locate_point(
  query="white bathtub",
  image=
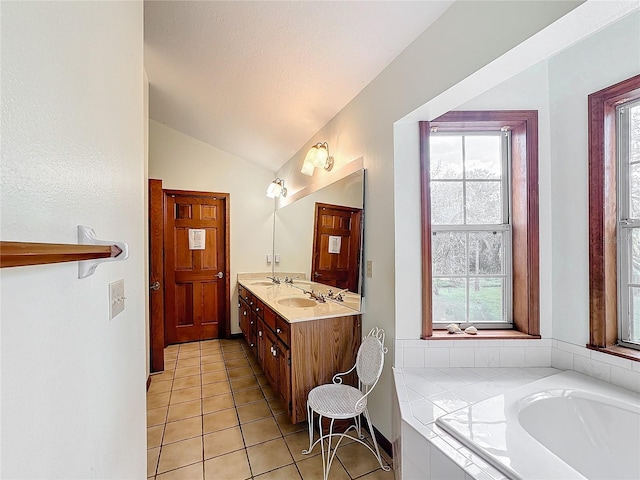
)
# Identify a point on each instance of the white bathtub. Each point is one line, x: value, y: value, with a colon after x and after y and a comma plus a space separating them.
x: 562, y: 427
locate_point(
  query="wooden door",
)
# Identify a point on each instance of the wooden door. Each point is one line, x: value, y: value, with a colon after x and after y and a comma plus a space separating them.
x: 156, y: 274
x: 336, y: 246
x: 196, y: 276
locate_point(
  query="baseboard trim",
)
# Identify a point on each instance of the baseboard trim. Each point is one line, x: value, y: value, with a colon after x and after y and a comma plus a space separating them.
x: 148, y: 382
x: 235, y: 336
x: 383, y: 442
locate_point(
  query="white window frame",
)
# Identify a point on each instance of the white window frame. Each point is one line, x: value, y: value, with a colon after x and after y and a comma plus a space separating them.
x: 505, y: 227
x: 626, y: 224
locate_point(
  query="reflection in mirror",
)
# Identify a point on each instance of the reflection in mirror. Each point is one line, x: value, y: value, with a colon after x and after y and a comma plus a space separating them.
x: 319, y: 236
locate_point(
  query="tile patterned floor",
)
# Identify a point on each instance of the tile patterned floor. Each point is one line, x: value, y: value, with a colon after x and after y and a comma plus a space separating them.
x: 212, y: 415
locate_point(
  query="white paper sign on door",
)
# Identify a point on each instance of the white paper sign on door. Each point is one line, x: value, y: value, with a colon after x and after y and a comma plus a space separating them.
x: 197, y: 238
x: 334, y: 244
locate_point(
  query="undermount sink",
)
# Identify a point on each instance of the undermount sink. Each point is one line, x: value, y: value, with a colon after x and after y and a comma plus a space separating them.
x: 262, y: 283
x: 297, y: 302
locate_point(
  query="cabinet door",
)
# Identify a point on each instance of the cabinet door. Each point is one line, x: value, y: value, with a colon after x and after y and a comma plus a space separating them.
x: 261, y: 341
x: 284, y: 375
x: 245, y: 317
x: 270, y: 363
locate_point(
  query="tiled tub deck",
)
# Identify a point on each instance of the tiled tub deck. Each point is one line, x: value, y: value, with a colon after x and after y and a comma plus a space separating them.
x: 424, y: 394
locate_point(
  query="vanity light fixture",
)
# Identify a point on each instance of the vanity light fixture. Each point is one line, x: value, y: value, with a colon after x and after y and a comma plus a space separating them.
x: 317, y: 157
x: 276, y: 189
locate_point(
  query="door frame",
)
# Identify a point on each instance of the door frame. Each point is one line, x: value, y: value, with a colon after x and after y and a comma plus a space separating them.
x: 156, y: 273
x: 224, y: 327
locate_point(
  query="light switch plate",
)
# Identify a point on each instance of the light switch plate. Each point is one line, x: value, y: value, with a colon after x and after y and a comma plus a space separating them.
x: 269, y: 258
x: 277, y: 258
x: 369, y: 268
x: 116, y: 298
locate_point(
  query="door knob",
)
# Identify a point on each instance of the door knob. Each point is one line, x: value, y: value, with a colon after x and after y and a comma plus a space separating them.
x: 154, y: 286
x: 219, y: 274
x: 316, y: 274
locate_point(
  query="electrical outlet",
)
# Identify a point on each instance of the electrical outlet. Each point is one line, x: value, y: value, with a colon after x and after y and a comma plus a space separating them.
x: 369, y: 268
x: 116, y: 298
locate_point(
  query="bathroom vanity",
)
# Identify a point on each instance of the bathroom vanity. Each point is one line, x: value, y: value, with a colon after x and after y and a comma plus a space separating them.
x: 299, y: 342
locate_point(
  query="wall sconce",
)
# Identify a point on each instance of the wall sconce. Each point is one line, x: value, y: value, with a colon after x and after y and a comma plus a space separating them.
x: 317, y: 157
x: 276, y: 189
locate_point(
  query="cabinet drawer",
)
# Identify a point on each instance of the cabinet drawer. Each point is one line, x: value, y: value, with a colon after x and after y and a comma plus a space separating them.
x: 269, y: 317
x: 258, y: 307
x: 283, y: 330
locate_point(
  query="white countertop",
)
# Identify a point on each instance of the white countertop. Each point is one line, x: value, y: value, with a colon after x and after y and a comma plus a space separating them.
x: 271, y: 293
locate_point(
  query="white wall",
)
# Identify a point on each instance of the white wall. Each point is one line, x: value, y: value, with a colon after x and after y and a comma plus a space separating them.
x: 184, y: 163
x: 438, y: 59
x: 602, y: 60
x: 73, y: 381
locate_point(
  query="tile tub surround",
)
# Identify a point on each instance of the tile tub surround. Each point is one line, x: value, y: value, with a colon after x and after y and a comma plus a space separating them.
x: 424, y: 394
x: 619, y: 371
x: 271, y: 294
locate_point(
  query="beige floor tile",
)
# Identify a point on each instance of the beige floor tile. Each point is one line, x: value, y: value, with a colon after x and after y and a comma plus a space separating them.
x: 213, y: 358
x: 297, y: 442
x: 180, y: 411
x: 182, y: 429
x: 268, y: 391
x: 211, y: 341
x: 236, y: 362
x: 212, y: 367
x: 230, y: 355
x: 249, y: 395
x: 159, y: 387
x: 188, y: 354
x: 262, y: 379
x: 170, y: 356
x: 231, y: 347
x: 311, y: 469
x: 152, y: 460
x: 180, y: 454
x: 256, y: 369
x: 210, y: 350
x: 185, y: 395
x: 213, y: 377
x: 186, y: 382
x: 163, y: 376
x: 243, y: 382
x: 268, y: 456
x: 218, y: 388
x: 170, y: 365
x: 287, y: 427
x: 379, y: 475
x: 217, y: 403
x: 290, y: 472
x: 187, y: 371
x: 172, y: 349
x: 158, y: 400
x: 232, y: 466
x: 223, y: 441
x: 260, y: 431
x: 276, y: 406
x: 189, y: 347
x: 357, y: 459
x: 212, y: 422
x: 192, y: 472
x: 156, y: 416
x: 254, y: 411
x: 154, y: 436
x: 188, y: 362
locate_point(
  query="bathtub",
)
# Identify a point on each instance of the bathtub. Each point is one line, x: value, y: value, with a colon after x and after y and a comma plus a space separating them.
x: 565, y: 426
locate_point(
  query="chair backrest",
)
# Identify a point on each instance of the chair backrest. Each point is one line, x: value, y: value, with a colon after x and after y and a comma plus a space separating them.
x: 370, y: 359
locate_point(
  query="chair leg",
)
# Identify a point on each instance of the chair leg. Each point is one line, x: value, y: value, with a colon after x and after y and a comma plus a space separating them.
x: 310, y: 424
x: 375, y: 442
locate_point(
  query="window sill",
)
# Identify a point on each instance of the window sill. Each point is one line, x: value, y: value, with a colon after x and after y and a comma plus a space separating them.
x: 483, y: 335
x: 618, y: 351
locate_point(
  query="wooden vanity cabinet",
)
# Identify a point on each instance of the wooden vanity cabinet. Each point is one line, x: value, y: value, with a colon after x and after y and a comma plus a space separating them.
x: 298, y: 356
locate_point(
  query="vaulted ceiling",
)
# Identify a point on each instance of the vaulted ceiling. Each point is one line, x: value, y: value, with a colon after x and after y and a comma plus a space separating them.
x: 258, y: 79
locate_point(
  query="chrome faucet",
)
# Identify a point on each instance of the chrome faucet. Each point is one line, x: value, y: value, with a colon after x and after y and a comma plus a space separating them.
x: 316, y: 296
x: 274, y: 279
x: 338, y: 297
x: 290, y: 280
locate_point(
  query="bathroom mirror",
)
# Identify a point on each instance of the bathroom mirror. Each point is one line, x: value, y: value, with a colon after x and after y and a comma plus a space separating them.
x: 320, y: 235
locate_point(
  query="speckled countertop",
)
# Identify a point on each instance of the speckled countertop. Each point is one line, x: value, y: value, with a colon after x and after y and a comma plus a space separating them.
x: 276, y: 297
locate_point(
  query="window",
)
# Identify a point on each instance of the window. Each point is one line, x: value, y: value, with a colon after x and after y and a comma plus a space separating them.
x: 479, y: 178
x: 470, y: 227
x: 614, y: 218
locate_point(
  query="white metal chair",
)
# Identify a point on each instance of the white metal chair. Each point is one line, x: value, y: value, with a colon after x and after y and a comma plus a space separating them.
x: 339, y: 402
